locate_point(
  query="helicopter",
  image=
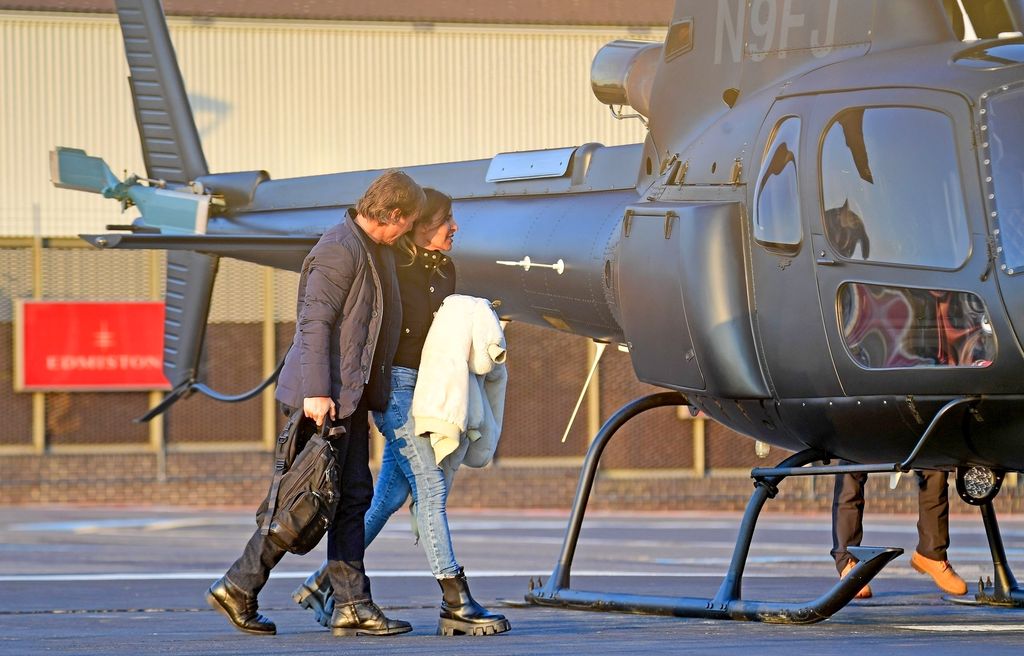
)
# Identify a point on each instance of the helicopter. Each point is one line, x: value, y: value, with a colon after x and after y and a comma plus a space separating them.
x: 820, y: 244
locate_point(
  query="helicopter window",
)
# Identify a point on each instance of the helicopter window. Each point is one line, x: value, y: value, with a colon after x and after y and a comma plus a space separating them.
x: 891, y: 188
x: 679, y: 39
x: 1004, y: 153
x: 990, y: 57
x: 897, y: 327
x: 777, y: 209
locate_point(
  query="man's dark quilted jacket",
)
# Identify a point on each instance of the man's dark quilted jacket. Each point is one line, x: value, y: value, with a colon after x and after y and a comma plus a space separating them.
x: 339, y: 318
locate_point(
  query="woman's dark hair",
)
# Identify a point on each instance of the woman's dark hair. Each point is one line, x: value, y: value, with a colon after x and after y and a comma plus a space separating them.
x: 437, y: 204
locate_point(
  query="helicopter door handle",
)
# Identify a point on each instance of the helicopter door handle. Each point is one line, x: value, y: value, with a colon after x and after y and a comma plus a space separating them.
x: 822, y: 254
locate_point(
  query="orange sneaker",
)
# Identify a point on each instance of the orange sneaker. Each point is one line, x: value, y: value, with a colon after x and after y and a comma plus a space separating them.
x: 941, y: 572
x: 863, y: 593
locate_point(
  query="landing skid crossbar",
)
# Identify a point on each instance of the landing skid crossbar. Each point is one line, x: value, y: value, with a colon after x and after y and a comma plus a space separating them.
x: 727, y: 603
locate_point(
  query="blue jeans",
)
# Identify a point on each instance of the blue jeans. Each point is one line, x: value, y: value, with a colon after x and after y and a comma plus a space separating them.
x: 408, y: 467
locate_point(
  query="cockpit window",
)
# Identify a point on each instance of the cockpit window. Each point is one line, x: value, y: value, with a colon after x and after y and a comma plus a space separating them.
x: 777, y: 208
x: 888, y: 327
x: 891, y: 188
x: 1003, y: 152
x: 992, y: 56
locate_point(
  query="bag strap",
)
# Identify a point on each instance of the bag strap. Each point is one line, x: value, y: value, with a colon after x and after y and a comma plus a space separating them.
x: 328, y: 432
x: 280, y: 453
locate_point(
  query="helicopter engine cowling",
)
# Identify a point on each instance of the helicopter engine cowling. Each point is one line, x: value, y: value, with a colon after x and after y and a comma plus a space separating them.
x: 579, y: 231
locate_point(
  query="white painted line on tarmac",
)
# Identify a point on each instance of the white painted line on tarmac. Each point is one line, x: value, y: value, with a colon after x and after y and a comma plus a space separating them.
x: 142, y: 523
x: 962, y: 628
x: 485, y: 525
x: 382, y: 574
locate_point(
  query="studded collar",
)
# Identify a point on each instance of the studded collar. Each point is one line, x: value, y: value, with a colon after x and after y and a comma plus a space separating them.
x: 430, y: 260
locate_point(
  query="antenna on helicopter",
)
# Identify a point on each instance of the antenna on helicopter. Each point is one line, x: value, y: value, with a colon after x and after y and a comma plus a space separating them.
x: 969, y: 33
x: 601, y: 346
x: 526, y: 263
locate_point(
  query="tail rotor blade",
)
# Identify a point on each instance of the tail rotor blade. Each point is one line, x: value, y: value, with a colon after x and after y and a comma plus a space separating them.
x: 72, y: 168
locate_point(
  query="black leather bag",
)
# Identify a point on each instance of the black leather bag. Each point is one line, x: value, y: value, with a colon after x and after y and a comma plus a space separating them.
x: 304, y: 493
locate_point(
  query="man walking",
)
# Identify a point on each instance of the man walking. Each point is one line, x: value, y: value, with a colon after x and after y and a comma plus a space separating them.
x: 932, y: 528
x: 339, y: 368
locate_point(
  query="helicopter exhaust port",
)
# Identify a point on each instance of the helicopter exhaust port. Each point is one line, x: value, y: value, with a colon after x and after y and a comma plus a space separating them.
x: 623, y: 74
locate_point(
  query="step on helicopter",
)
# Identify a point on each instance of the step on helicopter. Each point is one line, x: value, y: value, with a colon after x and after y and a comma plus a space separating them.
x: 820, y: 244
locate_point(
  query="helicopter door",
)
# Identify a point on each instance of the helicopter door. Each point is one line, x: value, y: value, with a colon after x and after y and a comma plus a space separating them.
x: 898, y: 242
x: 782, y: 262
x: 683, y: 298
x: 651, y: 294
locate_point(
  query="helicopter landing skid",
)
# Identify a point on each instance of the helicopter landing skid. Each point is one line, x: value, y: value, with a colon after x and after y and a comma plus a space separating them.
x: 974, y: 601
x: 989, y: 595
x: 727, y: 603
x: 1003, y: 591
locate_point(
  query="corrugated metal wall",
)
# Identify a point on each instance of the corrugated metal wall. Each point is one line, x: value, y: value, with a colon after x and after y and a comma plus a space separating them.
x: 292, y: 97
x: 295, y: 98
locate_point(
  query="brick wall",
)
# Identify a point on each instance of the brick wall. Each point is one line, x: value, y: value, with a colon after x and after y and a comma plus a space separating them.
x: 241, y: 479
x: 647, y: 466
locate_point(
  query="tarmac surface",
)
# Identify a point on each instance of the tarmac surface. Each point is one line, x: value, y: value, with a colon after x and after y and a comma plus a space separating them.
x: 82, y: 580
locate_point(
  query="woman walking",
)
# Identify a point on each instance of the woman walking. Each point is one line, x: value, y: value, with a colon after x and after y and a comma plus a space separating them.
x: 426, y: 275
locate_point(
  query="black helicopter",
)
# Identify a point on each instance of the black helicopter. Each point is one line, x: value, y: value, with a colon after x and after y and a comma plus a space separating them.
x: 820, y: 244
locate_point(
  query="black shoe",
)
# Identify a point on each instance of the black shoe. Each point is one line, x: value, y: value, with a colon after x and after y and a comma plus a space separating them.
x: 461, y: 615
x: 239, y: 607
x: 316, y: 594
x: 363, y: 618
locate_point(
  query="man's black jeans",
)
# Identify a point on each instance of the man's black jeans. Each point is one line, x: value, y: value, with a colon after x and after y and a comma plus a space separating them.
x: 345, y: 536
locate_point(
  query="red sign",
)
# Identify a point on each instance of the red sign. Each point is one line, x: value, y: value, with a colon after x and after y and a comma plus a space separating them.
x: 89, y: 346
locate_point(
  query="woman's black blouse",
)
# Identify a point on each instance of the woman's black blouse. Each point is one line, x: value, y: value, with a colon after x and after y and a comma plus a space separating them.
x: 423, y: 285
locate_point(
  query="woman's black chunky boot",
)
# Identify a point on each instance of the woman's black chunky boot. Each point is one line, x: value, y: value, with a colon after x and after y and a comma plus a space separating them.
x: 461, y: 615
x: 316, y: 595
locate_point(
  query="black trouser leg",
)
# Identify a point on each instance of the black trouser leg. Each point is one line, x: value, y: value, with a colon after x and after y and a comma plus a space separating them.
x: 252, y: 569
x: 346, y: 535
x: 933, y: 514
x: 847, y: 515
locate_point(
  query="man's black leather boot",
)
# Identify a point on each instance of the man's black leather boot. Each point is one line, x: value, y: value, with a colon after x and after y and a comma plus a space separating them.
x: 363, y: 618
x: 462, y: 615
x: 239, y: 607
